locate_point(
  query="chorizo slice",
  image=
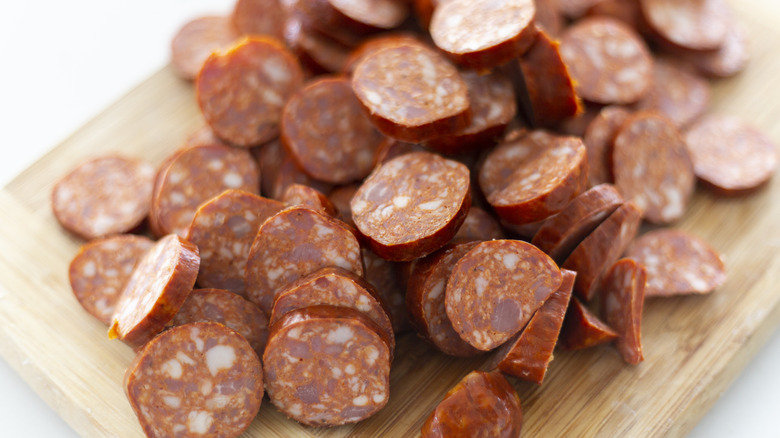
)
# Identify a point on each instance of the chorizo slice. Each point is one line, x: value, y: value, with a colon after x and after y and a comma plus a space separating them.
x: 679, y: 94
x: 194, y: 42
x: 426, y: 304
x: 560, y: 234
x: 223, y: 229
x: 229, y: 309
x: 599, y: 138
x: 695, y: 25
x: 548, y: 17
x: 529, y: 354
x: 196, y: 175
x: 627, y: 11
x: 480, y: 405
x: 386, y: 278
x: 241, y: 92
x: 360, y: 17
x: 340, y: 197
x: 258, y: 17
x: 601, y: 248
x: 431, y: 98
x: 327, y: 133
x: 577, y: 124
x: 609, y: 62
x: 99, y: 271
x: 495, y: 288
x: 376, y: 43
x: 479, y: 225
x: 292, y: 244
x: 391, y: 148
x: 412, y: 205
x: 575, y: 9
x: 677, y: 263
x: 161, y: 282
x: 483, y: 36
x: 198, y: 379
x: 583, y: 329
x: 533, y: 177
x: 315, y: 51
x: 327, y: 366
x: 730, y: 156
x: 103, y: 196
x: 299, y: 194
x: 730, y: 59
x: 652, y: 167
x: 290, y: 174
x: 624, y: 296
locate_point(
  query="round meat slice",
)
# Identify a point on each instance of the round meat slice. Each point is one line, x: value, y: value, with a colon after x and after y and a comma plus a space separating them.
x: 259, y: 17
x: 229, y: 309
x: 412, y: 205
x: 199, y: 379
x: 327, y: 366
x: 425, y: 300
x: 495, y: 289
x: 534, y: 176
x: 479, y: 225
x: 241, y: 92
x: 318, y: 53
x: 309, y: 197
x: 224, y: 228
x: 104, y: 196
x: 560, y: 234
x: 583, y: 329
x: 609, y: 62
x: 376, y: 43
x: 292, y: 244
x: 652, y: 167
x: 730, y: 59
x: 386, y: 278
x: 482, y: 35
x: 624, y: 297
x: 599, y: 138
x: 195, y: 41
x: 676, y: 92
x: 364, y: 16
x: 730, y: 156
x: 480, y: 405
x: 196, y: 175
x: 696, y: 25
x: 627, y: 11
x: 327, y: 133
x: 160, y: 283
x: 428, y: 99
x: 677, y: 263
x: 100, y: 270
x: 492, y: 107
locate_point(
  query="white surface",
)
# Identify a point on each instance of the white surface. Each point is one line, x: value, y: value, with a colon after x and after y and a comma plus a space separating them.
x: 64, y: 62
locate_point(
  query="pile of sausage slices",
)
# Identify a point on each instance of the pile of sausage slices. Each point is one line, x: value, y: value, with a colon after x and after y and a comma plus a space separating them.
x: 470, y: 170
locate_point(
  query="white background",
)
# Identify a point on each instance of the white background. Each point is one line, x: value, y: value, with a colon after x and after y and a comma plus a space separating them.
x: 62, y: 62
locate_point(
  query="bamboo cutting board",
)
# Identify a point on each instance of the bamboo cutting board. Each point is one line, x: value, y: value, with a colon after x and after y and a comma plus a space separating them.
x: 694, y: 346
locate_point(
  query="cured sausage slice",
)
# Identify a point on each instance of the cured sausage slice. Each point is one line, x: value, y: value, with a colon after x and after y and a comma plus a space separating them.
x: 327, y: 133
x: 430, y: 100
x: 652, y: 167
x: 601, y: 248
x: 412, y: 205
x: 480, y: 405
x: 495, y: 288
x: 548, y: 17
x: 241, y: 92
x: 258, y: 17
x: 356, y: 16
x: 483, y: 35
x: 599, y: 138
x: 195, y: 41
x: 579, y: 123
x: 100, y: 270
x: 534, y: 176
x: 199, y: 379
x: 560, y: 234
x: 426, y: 304
x: 160, y: 283
x: 289, y: 174
x: 334, y: 287
x: 479, y: 225
x: 299, y: 194
x: 269, y: 159
x: 730, y: 59
x: 377, y: 43
x: 575, y: 9
x: 492, y: 107
x: 624, y: 296
x: 229, y: 309
x: 609, y: 62
x: 391, y: 148
x: 583, y: 329
x: 223, y: 229
x: 627, y: 11
x: 316, y: 52
x: 196, y: 175
x: 730, y: 156
x: 386, y: 278
x: 327, y: 366
x: 677, y: 263
x: 529, y: 354
x: 696, y: 25
x: 340, y: 197
x: 104, y: 196
x: 293, y: 243
x: 676, y: 92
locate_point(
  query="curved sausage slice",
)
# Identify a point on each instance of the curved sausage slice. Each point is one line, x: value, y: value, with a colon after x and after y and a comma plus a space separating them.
x: 730, y: 59
x: 681, y: 95
x: 386, y: 278
x: 695, y: 25
x: 479, y: 225
x: 195, y: 41
x: 309, y: 197
x: 624, y: 297
x: 258, y: 17
x: 599, y: 138
x: 583, y: 329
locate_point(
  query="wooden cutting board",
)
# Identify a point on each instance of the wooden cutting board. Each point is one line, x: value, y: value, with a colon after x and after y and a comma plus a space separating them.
x: 694, y: 346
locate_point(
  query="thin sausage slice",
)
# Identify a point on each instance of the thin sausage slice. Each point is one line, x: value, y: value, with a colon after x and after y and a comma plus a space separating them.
x: 160, y: 283
x: 624, y: 296
x: 412, y: 205
x: 696, y: 25
x: 299, y: 194
x: 258, y: 17
x: 377, y: 43
x: 495, y: 288
x: 100, y: 270
x: 583, y: 329
x: 480, y: 405
x: 386, y: 278
x: 599, y: 138
x: 679, y: 94
x: 199, y: 379
x: 364, y: 16
x: 289, y: 174
x: 104, y: 196
x: 195, y: 41
x: 479, y: 225
x: 340, y: 197
x: 315, y: 51
x: 327, y: 366
x: 627, y: 11
x: 677, y: 263
x: 730, y: 59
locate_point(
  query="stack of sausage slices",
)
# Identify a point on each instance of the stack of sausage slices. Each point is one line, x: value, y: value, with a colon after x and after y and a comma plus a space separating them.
x: 471, y: 171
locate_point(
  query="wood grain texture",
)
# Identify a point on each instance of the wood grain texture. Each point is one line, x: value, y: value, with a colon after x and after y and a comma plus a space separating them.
x: 694, y: 346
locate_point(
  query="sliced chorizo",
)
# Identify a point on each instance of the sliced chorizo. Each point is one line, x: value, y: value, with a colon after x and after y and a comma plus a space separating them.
x: 194, y: 42
x: 376, y: 43
x: 315, y: 51
x: 299, y: 194
x: 258, y: 17
x: 623, y: 299
x: 289, y: 174
x: 599, y: 138
x: 729, y: 59
x: 360, y: 17
x: 340, y: 197
x: 479, y: 225
x: 583, y: 329
x: 386, y: 278
x: 696, y: 25
x: 679, y: 94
